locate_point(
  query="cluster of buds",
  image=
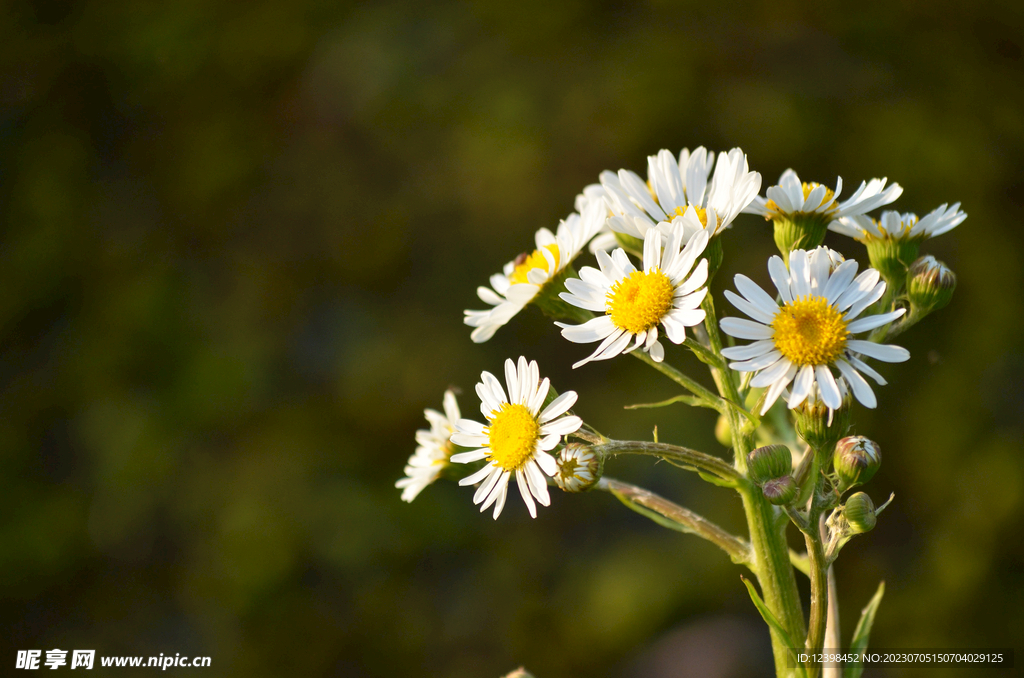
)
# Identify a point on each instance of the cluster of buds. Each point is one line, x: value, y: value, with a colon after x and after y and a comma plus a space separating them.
x: 771, y: 468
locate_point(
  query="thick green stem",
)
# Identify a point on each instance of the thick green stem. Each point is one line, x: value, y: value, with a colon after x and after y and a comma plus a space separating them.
x: 819, y: 598
x: 767, y: 534
x: 738, y: 550
x: 684, y: 455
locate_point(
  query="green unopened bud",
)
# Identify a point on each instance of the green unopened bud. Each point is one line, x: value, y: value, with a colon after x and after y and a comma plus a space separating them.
x: 770, y: 462
x: 820, y: 427
x: 891, y: 257
x: 859, y: 512
x: 579, y: 468
x: 799, y: 231
x: 780, y: 491
x: 723, y: 431
x: 856, y: 459
x: 930, y: 284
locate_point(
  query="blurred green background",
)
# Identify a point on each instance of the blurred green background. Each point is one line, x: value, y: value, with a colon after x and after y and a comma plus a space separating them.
x: 237, y: 242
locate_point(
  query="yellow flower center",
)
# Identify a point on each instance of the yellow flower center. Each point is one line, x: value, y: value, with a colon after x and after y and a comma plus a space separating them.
x: 810, y: 331
x: 527, y: 262
x: 513, y: 435
x: 639, y: 302
x: 702, y: 214
x: 830, y: 196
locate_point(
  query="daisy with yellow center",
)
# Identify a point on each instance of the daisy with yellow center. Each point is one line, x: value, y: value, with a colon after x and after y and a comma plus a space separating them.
x: 523, y: 278
x: 893, y: 241
x: 895, y: 226
x: 433, y: 451
x: 518, y: 438
x: 635, y: 302
x: 800, y: 339
x: 679, y: 192
x: 792, y: 196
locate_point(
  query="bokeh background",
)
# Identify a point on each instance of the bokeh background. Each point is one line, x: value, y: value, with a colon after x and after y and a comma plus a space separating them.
x: 237, y: 240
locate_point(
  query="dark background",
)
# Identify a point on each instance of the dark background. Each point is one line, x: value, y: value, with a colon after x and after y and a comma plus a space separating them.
x: 237, y: 239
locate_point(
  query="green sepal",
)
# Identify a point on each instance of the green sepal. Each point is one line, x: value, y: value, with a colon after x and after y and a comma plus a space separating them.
x: 861, y: 634
x: 892, y: 257
x: 773, y: 622
x: 799, y: 231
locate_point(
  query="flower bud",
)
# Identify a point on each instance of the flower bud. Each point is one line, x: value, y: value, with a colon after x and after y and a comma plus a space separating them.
x: 859, y: 512
x: 930, y: 284
x: 770, y: 462
x: 856, y: 459
x: 818, y: 426
x: 779, y: 491
x: 578, y: 468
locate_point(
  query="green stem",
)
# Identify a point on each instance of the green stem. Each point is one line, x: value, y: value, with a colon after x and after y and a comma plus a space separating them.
x: 710, y: 399
x: 684, y: 455
x: 819, y: 598
x: 738, y: 550
x: 767, y: 534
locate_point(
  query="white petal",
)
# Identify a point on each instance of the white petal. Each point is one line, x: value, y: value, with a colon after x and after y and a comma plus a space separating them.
x: 801, y: 386
x: 777, y: 387
x: 657, y: 352
x: 872, y: 321
x: 525, y: 491
x: 771, y: 374
x: 749, y: 351
x: 477, y: 476
x: 538, y: 484
x: 557, y: 406
x: 828, y: 388
x: 546, y: 462
x: 860, y: 387
x: 780, y: 276
x: 888, y: 353
x: 758, y: 363
x: 752, y: 310
x: 502, y: 493
x: 745, y: 329
x: 563, y: 426
x: 487, y: 487
x: 755, y: 295
x: 593, y: 330
x: 862, y: 366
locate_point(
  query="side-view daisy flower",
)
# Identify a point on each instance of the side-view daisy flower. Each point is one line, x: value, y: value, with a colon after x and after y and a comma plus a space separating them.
x: 802, y: 212
x: 679, y: 191
x: 523, y: 278
x: 800, y: 339
x: 894, y: 239
x: 518, y: 437
x: 433, y: 450
x: 635, y: 302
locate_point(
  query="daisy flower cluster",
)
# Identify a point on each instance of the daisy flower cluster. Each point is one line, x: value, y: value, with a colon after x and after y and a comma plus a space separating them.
x: 656, y: 243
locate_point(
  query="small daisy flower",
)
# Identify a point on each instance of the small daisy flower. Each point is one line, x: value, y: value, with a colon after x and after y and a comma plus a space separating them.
x: 523, y: 278
x: 802, y: 211
x: 894, y: 239
x: 518, y: 437
x: 433, y: 450
x: 635, y: 302
x: 678, y: 191
x: 801, y: 338
x: 578, y: 468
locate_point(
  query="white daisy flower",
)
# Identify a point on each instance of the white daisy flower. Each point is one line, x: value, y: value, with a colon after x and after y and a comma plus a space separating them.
x: 578, y: 468
x: 895, y: 226
x: 522, y: 279
x: 678, y: 191
x: 792, y: 197
x: 433, y: 449
x: 801, y: 338
x: 518, y: 437
x: 634, y: 301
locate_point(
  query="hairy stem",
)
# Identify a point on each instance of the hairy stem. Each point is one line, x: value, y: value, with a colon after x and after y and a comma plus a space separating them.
x: 699, y: 460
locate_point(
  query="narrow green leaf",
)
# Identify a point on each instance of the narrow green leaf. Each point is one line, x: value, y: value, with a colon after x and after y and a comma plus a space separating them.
x: 860, y: 634
x: 653, y: 515
x: 771, y: 620
x: 688, y: 399
x: 715, y: 480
